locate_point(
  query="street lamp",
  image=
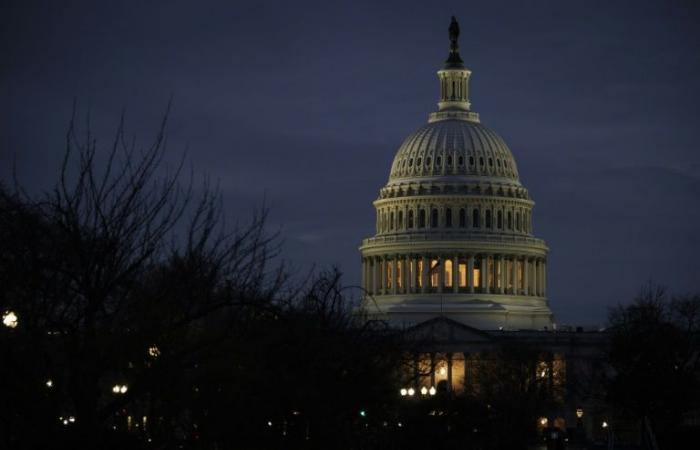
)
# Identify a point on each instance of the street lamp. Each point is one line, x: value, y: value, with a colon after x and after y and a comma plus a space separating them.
x: 10, y: 319
x: 411, y: 392
x: 424, y: 390
x: 120, y: 388
x: 403, y: 392
x: 432, y: 390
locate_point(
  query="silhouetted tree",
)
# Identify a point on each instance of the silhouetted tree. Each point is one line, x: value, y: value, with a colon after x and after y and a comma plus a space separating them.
x: 654, y: 354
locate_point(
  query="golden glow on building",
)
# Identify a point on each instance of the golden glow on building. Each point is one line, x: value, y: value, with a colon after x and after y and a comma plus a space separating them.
x: 434, y: 273
x: 448, y: 273
x: 462, y: 275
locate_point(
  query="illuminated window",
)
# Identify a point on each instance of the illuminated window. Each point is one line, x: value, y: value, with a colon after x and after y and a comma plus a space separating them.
x: 434, y: 218
x: 399, y: 274
x: 462, y: 218
x: 462, y: 274
x: 434, y: 273
x: 419, y: 271
x: 448, y: 217
x: 448, y: 273
x: 476, y: 273
x: 475, y: 218
x: 421, y: 218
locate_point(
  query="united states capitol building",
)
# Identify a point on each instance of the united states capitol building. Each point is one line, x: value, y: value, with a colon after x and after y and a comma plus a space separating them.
x: 455, y: 262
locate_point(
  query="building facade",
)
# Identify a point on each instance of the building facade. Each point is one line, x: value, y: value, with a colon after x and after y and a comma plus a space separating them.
x: 454, y: 230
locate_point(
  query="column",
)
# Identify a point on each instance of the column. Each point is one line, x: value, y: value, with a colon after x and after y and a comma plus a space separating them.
x: 502, y: 266
x: 423, y: 275
x: 544, y: 278
x: 440, y: 273
x: 470, y: 274
x: 535, y: 277
x: 455, y: 274
x: 449, y: 372
x: 484, y: 277
x: 406, y: 285
x: 382, y: 275
x: 394, y: 271
x: 514, y: 271
x: 373, y: 271
x: 412, y: 271
x: 526, y: 276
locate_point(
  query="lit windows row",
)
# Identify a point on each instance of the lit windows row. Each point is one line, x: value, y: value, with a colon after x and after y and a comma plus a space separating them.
x: 488, y: 274
x: 513, y: 220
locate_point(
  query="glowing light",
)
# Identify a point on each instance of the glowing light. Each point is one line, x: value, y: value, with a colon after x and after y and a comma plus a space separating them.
x: 442, y: 371
x: 544, y: 421
x: 579, y: 412
x: 403, y: 392
x: 10, y: 319
x: 424, y: 390
x: 269, y: 423
x: 49, y: 383
x: 120, y: 388
x: 153, y: 351
x: 363, y: 413
x: 432, y: 390
x: 604, y: 424
x: 411, y: 392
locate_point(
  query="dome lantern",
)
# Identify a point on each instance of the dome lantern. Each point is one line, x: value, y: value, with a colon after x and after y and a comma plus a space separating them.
x: 454, y: 84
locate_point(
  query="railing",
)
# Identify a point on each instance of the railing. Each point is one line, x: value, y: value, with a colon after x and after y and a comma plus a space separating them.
x: 441, y: 236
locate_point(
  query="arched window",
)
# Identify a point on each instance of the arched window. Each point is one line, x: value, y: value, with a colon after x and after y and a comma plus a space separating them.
x: 434, y: 218
x: 510, y: 220
x: 421, y: 218
x: 461, y: 161
x: 410, y: 219
x: 462, y: 218
x: 517, y: 221
x: 499, y: 219
x: 400, y: 226
x: 475, y: 218
x: 481, y: 161
x: 471, y: 160
x: 448, y: 217
x: 391, y: 220
x: 449, y: 160
x: 488, y: 218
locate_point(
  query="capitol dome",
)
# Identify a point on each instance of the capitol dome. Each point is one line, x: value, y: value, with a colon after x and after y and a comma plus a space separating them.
x: 454, y: 234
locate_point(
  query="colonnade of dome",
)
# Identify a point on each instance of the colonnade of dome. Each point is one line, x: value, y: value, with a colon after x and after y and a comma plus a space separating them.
x: 454, y: 229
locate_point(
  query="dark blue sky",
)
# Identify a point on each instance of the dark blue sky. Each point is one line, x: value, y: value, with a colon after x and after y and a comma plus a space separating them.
x: 307, y: 103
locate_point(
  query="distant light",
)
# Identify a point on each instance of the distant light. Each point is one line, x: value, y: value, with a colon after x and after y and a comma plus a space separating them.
x: 399, y: 424
x: 432, y: 390
x: 442, y: 371
x: 71, y: 419
x: 115, y: 388
x: 153, y: 351
x: 123, y: 389
x: 49, y: 383
x: 363, y: 413
x: 403, y: 392
x: 411, y: 392
x: 424, y: 390
x: 543, y: 421
x: 120, y: 388
x: 604, y: 424
x: 579, y: 412
x: 269, y: 423
x: 10, y: 319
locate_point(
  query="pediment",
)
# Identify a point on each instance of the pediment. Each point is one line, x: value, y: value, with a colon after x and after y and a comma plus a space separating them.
x: 442, y: 329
